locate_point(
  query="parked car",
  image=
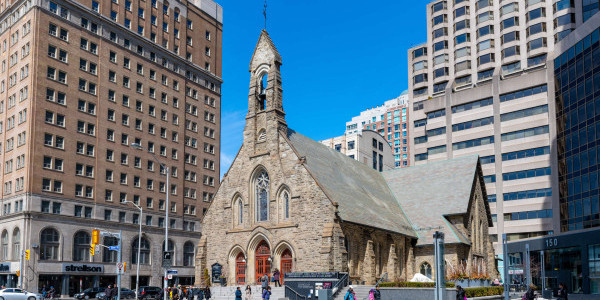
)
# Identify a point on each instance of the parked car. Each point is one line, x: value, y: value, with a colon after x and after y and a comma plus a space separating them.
x: 125, y: 294
x: 150, y: 292
x: 18, y: 294
x: 89, y: 293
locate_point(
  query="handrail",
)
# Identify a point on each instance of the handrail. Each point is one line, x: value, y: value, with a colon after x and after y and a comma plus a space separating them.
x: 381, y: 279
x: 342, y: 282
x: 295, y: 294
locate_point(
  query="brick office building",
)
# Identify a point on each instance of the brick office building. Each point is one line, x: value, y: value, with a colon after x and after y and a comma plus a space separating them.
x: 80, y: 82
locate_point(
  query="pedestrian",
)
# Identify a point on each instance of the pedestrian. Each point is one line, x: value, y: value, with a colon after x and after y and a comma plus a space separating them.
x: 264, y: 283
x: 108, y: 292
x: 200, y: 294
x: 276, y: 278
x: 207, y: 294
x: 562, y: 292
x: 460, y: 293
x: 350, y: 294
x: 238, y: 293
x: 267, y: 293
x: 530, y: 294
x: 248, y: 293
x: 43, y: 291
x: 377, y: 293
x: 371, y: 294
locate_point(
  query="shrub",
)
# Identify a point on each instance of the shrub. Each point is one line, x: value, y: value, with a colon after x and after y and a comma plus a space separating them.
x: 413, y: 284
x: 484, y: 291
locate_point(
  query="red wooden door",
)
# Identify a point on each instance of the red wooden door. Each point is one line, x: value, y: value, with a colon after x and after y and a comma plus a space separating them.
x: 286, y: 264
x: 263, y: 265
x: 240, y: 269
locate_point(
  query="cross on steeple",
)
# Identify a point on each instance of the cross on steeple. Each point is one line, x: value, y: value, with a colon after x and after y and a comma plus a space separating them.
x: 265, y: 13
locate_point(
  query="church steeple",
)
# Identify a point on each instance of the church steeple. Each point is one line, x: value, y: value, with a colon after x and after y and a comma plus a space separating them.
x: 265, y: 116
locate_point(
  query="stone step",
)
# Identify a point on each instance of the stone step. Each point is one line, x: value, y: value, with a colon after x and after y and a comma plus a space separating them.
x: 228, y: 292
x: 361, y: 292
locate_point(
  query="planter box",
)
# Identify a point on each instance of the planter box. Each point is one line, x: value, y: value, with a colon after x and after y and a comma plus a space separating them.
x: 465, y: 283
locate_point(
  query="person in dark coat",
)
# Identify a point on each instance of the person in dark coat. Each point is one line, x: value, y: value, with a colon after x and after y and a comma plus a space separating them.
x: 460, y: 293
x: 108, y: 292
x: 207, y: 294
x: 562, y: 292
x: 238, y: 294
x: 530, y: 294
x: 276, y: 275
x: 377, y: 293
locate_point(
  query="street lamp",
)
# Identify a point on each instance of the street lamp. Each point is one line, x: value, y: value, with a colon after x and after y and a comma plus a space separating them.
x: 137, y: 271
x: 165, y: 282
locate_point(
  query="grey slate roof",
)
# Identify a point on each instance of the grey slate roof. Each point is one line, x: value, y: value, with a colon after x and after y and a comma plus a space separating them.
x: 412, y: 201
x: 361, y: 192
x: 429, y: 192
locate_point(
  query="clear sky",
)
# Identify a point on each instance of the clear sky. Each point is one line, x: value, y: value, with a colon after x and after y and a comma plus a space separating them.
x: 339, y: 58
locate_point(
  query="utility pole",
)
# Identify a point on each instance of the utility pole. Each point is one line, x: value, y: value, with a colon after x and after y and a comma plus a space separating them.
x: 21, y: 269
x: 166, y: 280
x: 440, y: 272
x: 506, y: 265
x: 119, y: 261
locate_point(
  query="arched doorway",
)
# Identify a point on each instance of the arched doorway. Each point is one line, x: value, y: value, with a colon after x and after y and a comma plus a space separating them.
x: 263, y: 264
x: 286, y: 264
x: 240, y: 269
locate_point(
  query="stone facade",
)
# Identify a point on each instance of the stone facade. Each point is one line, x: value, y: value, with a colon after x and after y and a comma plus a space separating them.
x: 272, y: 211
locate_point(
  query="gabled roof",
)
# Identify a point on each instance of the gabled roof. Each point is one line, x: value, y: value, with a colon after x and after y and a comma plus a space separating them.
x: 361, y: 192
x: 429, y: 192
x: 265, y: 39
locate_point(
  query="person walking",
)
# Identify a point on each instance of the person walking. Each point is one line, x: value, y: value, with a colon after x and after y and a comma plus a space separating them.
x: 248, y: 293
x: 108, y: 292
x: 562, y: 292
x: 238, y: 293
x: 371, y: 294
x: 377, y: 293
x: 350, y: 294
x: 460, y: 293
x: 267, y: 293
x: 530, y: 294
x: 264, y: 283
x: 276, y: 276
x: 207, y: 293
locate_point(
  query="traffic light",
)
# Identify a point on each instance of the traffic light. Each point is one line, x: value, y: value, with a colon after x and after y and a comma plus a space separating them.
x: 124, y: 266
x: 92, y: 249
x: 18, y: 273
x: 26, y: 254
x: 95, y: 236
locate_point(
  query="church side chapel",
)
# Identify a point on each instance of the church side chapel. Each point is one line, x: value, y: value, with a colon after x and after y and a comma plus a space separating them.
x: 290, y: 203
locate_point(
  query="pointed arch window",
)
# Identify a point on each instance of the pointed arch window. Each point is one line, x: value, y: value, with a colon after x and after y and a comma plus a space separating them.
x: 262, y: 196
x: 426, y: 270
x: 240, y: 206
x: 286, y: 204
x: 262, y: 96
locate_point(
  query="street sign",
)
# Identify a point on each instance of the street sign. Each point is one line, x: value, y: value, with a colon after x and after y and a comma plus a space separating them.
x: 166, y: 261
x: 171, y: 271
x: 120, y: 268
x: 113, y: 248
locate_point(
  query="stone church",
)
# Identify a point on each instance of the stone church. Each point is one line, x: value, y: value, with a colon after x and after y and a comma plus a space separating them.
x: 290, y: 203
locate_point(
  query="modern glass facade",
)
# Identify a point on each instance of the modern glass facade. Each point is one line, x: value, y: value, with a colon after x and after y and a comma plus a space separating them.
x: 577, y: 88
x: 571, y: 258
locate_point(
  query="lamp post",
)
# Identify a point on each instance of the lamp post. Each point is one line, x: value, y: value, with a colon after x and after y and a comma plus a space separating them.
x: 165, y: 282
x: 137, y: 271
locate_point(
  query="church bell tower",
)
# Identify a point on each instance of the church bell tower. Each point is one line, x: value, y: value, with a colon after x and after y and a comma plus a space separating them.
x: 265, y: 118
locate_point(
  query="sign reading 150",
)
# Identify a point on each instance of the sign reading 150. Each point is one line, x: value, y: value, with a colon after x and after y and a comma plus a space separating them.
x: 551, y: 242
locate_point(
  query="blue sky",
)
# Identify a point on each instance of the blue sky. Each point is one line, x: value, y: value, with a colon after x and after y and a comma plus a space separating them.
x: 339, y: 58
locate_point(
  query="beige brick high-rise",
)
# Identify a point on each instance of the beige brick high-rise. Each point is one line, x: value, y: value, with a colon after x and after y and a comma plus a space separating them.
x: 80, y: 81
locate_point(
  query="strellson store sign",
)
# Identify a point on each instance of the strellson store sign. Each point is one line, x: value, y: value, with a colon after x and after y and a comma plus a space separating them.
x: 82, y: 268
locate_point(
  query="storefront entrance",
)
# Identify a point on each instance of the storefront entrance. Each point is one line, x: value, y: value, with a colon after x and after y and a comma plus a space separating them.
x: 79, y: 283
x: 263, y: 264
x: 9, y: 280
x: 144, y: 281
x: 106, y: 280
x: 48, y: 281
